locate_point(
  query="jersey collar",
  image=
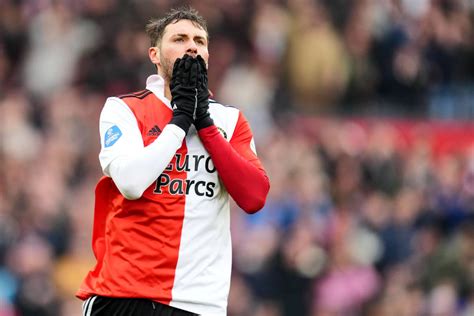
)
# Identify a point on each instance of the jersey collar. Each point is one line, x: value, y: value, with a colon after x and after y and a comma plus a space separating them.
x: 156, y: 84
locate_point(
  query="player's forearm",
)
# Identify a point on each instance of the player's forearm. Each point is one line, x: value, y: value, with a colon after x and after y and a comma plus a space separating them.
x: 134, y: 173
x: 246, y: 183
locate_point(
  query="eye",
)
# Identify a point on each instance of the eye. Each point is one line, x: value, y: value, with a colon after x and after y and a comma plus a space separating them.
x: 179, y: 39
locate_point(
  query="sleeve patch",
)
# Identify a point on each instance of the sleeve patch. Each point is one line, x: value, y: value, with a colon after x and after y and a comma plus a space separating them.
x: 112, y: 135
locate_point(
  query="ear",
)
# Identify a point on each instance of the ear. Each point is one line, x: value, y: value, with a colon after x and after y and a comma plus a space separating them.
x: 154, y: 55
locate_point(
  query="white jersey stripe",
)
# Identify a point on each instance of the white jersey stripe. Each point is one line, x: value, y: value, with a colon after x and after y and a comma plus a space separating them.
x: 202, y: 277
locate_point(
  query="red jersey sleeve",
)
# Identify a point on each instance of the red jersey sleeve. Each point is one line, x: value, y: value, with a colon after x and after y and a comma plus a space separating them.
x: 239, y: 167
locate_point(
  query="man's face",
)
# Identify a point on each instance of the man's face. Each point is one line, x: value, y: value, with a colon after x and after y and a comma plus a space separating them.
x: 182, y: 37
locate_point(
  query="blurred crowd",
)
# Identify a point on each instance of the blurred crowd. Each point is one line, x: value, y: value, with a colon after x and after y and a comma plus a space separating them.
x: 361, y: 220
x: 356, y: 223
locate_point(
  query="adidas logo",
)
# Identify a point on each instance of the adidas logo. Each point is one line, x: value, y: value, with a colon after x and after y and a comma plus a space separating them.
x: 154, y: 131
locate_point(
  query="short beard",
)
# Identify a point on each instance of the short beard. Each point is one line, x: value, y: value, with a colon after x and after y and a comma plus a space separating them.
x: 167, y: 68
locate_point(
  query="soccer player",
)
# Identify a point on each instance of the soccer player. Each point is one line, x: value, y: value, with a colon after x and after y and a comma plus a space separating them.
x: 171, y: 157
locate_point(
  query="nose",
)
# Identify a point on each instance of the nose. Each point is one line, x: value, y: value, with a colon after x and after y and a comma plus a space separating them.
x: 192, y: 49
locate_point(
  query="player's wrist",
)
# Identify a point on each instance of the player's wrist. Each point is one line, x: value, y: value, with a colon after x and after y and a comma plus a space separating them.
x: 203, y: 121
x: 182, y: 120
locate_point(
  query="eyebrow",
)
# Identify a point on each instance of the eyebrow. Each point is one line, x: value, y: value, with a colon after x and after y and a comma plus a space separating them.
x: 195, y: 37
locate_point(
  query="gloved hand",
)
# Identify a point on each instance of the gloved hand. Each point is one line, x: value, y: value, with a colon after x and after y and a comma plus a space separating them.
x: 184, y: 91
x: 203, y: 118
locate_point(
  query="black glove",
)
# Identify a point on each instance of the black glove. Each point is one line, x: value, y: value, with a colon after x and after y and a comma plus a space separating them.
x: 203, y: 118
x: 184, y: 91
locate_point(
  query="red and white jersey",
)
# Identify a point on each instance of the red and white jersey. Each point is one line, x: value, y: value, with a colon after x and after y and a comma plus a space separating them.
x: 170, y: 242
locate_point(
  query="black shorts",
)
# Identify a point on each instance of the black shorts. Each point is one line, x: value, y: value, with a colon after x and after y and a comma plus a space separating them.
x: 111, y: 306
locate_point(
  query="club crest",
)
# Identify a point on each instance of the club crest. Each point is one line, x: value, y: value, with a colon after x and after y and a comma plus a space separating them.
x: 221, y: 130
